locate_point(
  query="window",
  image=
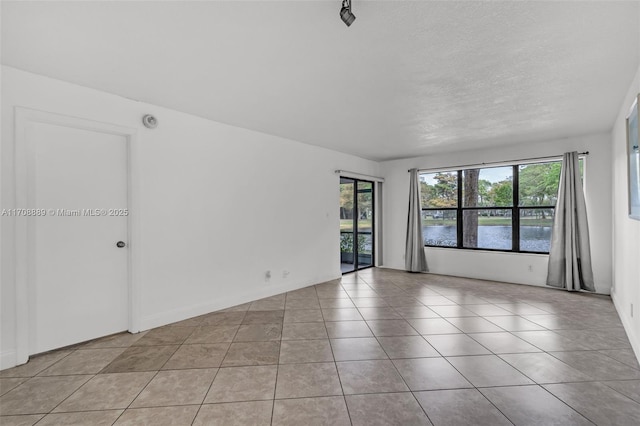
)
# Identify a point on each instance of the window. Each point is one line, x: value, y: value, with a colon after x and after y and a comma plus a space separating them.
x: 506, y: 208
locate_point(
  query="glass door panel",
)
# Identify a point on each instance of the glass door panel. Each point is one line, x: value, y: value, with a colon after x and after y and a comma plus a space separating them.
x: 356, y: 224
x: 364, y: 248
x: 347, y: 228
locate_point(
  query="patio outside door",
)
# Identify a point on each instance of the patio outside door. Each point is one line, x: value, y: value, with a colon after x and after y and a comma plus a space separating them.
x: 356, y: 224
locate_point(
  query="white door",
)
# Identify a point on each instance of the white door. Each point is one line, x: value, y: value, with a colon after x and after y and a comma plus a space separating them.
x: 77, y: 275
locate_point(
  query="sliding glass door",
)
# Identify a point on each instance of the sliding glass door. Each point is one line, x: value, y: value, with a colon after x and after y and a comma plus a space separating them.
x: 356, y: 224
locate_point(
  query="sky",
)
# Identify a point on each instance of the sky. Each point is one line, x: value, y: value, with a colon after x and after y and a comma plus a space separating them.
x: 492, y: 174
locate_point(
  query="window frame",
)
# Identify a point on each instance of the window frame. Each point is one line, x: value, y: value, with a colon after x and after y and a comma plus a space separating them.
x: 515, y: 209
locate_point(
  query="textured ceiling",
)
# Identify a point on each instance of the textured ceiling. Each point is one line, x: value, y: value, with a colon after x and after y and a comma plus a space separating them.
x: 406, y: 79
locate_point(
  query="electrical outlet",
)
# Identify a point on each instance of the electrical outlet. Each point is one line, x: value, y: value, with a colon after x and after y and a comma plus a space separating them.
x: 267, y: 275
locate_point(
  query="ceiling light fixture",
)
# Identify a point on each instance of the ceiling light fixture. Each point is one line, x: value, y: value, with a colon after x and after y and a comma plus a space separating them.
x: 345, y: 13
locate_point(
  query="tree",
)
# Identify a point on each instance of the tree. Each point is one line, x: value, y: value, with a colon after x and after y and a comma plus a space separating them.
x: 346, y: 201
x: 445, y: 190
x: 502, y: 193
x: 470, y: 221
x: 539, y: 184
x: 484, y: 186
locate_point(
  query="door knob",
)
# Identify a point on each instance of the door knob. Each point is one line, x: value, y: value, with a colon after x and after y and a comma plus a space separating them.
x: 120, y: 244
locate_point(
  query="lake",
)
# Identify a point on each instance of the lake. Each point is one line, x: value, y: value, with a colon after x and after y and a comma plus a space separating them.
x: 532, y: 238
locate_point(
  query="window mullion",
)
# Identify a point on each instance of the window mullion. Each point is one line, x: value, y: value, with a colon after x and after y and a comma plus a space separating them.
x: 515, y: 212
x: 459, y: 219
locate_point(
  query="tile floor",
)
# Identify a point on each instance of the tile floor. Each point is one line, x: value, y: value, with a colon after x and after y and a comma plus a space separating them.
x: 381, y: 347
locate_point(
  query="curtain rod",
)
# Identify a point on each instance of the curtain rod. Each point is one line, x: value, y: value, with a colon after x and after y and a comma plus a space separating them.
x: 497, y: 162
x: 374, y: 178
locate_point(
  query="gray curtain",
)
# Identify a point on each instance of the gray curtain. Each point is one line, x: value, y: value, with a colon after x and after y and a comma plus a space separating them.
x: 570, y: 256
x: 414, y: 257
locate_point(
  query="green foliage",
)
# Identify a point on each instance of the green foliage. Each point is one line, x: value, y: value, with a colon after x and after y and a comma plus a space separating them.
x: 538, y: 187
x: 444, y: 193
x: 539, y: 184
x: 346, y: 243
x: 501, y: 193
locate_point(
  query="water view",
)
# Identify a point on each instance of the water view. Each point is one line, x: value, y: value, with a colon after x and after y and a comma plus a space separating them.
x: 532, y: 238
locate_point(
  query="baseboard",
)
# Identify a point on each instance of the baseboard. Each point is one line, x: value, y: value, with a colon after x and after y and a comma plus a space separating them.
x: 8, y: 359
x: 180, y: 314
x: 628, y: 328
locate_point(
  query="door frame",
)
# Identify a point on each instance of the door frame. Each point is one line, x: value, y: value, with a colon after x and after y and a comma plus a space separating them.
x: 374, y: 224
x: 24, y: 232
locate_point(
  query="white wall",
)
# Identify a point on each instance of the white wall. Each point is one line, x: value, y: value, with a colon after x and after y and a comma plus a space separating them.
x: 509, y: 267
x: 219, y: 205
x: 626, y: 232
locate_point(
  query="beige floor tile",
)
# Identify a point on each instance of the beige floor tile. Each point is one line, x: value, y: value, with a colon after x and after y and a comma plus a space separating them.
x: 322, y: 411
x: 597, y: 402
x: 263, y: 317
x: 107, y: 391
x: 379, y: 313
x: 456, y: 345
x: 474, y: 325
x: 243, y: 384
x: 258, y: 333
x: 197, y: 356
x: 598, y: 366
x: 550, y: 341
x: 503, y: 343
x: 93, y: 418
x: 303, y: 293
x: 391, y: 328
x: 514, y: 323
x: 224, y: 318
x: 407, y: 347
x: 176, y: 387
x: 386, y: 409
x: 629, y: 388
x: 344, y: 329
x: 255, y: 413
x: 358, y: 348
x: 159, y: 416
x: 36, y: 364
x: 304, y: 331
x: 302, y: 304
x: 303, y: 315
x: 378, y: 376
x: 532, y: 405
x: 336, y: 303
x: 460, y: 407
x: 488, y: 370
x: 28, y: 420
x: 267, y: 305
x: 165, y: 336
x: 307, y: 380
x: 430, y: 374
x: 544, y: 368
x: 304, y: 351
x: 369, y: 302
x: 200, y: 362
x: 428, y: 326
x: 213, y: 334
x: 40, y: 394
x: 252, y: 353
x: 625, y: 356
x: 141, y: 358
x: 83, y: 361
x: 415, y: 312
x: 120, y: 340
x: 7, y: 384
x: 341, y: 314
